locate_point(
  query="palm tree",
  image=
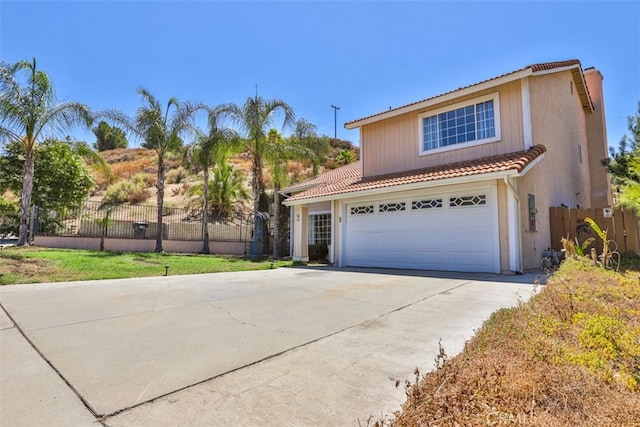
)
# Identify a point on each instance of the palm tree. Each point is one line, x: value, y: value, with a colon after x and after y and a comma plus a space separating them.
x: 160, y: 129
x: 225, y: 189
x: 277, y: 153
x: 254, y: 119
x: 29, y: 111
x: 210, y: 149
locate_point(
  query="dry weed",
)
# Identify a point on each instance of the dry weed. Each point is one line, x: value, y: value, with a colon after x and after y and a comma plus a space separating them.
x: 534, y: 364
x: 127, y: 169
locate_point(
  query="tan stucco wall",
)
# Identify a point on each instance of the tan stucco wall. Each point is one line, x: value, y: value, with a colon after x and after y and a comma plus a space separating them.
x: 138, y: 245
x: 320, y: 206
x: 601, y: 195
x: 300, y: 233
x: 393, y: 145
x: 336, y: 219
x: 558, y: 122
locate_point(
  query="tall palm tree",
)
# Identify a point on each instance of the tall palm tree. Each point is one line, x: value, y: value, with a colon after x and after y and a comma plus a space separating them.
x: 160, y: 128
x: 208, y: 150
x: 29, y: 112
x: 254, y: 119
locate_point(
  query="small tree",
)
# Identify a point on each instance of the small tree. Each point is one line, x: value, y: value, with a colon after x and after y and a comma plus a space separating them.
x: 624, y: 165
x: 619, y: 163
x: 108, y: 137
x: 61, y: 177
x: 225, y: 189
x: 306, y: 135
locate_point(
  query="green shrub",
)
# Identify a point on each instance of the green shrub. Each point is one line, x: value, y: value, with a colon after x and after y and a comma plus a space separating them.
x: 144, y: 179
x: 133, y: 191
x: 177, y: 175
x: 139, y: 196
x: 9, y: 216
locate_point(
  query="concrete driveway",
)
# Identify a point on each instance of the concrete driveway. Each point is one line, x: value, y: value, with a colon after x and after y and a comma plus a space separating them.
x: 292, y: 346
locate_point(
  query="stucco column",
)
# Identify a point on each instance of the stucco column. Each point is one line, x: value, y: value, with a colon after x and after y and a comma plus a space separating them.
x: 601, y: 194
x: 300, y: 244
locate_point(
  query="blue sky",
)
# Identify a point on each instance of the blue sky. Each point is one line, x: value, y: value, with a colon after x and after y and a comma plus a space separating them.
x: 362, y: 56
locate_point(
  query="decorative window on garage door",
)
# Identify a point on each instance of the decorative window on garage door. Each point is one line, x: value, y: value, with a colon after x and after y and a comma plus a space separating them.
x: 392, y: 207
x: 361, y: 210
x: 426, y: 204
x: 320, y: 229
x: 458, y: 201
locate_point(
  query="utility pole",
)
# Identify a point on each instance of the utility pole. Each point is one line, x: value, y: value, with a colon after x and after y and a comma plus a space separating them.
x: 335, y: 121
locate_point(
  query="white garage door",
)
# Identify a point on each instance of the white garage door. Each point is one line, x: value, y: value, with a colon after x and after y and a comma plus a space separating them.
x: 446, y: 231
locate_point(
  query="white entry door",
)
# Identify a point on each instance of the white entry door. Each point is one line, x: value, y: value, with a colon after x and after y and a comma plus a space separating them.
x: 455, y: 231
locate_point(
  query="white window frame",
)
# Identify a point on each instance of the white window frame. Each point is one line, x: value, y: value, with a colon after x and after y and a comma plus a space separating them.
x: 310, y: 232
x: 495, y: 97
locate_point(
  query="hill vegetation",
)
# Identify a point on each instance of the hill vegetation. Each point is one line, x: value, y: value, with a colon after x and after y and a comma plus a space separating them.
x: 134, y: 171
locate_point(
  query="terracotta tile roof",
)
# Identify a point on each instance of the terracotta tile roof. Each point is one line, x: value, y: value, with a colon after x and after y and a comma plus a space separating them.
x: 534, y: 68
x: 551, y: 65
x: 348, y: 180
x: 343, y: 172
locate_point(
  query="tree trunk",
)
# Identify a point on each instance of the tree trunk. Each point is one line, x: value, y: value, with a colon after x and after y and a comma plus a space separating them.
x: 205, y: 213
x: 27, y: 188
x: 160, y: 202
x: 256, y: 170
x: 255, y: 183
x: 276, y: 220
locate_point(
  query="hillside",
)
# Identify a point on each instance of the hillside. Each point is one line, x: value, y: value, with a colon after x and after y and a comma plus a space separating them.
x: 140, y: 165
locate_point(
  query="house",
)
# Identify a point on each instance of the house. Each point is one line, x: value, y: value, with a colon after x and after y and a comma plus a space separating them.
x: 463, y: 181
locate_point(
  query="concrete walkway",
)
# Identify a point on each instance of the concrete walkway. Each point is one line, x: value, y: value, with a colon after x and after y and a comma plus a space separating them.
x: 294, y: 346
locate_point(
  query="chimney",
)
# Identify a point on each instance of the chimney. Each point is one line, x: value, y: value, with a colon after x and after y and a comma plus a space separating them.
x: 597, y: 142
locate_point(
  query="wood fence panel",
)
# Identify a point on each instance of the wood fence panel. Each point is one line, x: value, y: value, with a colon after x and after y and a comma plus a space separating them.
x: 622, y: 227
x: 557, y: 226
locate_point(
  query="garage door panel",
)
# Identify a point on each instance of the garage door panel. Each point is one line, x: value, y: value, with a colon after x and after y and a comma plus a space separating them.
x: 469, y: 217
x: 460, y: 239
x: 427, y: 240
x: 454, y: 238
x: 430, y: 257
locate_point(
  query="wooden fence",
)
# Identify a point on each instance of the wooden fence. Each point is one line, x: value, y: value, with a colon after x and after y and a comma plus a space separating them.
x: 622, y: 227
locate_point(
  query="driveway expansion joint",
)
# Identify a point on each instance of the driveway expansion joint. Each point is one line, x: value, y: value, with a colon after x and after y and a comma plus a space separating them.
x: 42, y: 356
x: 275, y: 355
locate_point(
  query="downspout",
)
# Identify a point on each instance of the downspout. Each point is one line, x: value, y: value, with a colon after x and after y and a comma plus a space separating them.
x: 512, y: 190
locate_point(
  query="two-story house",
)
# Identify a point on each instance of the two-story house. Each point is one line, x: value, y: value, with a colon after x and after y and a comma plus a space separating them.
x: 462, y: 181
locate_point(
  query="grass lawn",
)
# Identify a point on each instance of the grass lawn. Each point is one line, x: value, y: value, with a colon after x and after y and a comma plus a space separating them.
x: 39, y: 265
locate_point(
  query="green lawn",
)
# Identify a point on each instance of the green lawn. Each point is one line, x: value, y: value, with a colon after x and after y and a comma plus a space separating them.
x: 39, y: 265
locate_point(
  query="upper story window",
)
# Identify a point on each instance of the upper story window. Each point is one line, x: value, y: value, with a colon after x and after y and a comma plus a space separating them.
x: 470, y: 123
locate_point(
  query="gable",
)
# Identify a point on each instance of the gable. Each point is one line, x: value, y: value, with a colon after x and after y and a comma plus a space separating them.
x: 396, y: 143
x: 530, y: 70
